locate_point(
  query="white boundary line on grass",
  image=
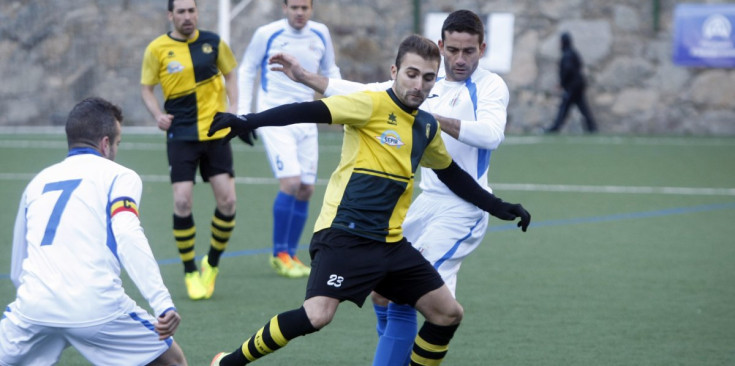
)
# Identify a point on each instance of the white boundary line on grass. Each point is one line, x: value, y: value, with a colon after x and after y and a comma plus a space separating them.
x: 566, y: 188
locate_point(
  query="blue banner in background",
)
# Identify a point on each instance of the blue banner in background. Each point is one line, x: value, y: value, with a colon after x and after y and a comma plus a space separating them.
x: 704, y: 36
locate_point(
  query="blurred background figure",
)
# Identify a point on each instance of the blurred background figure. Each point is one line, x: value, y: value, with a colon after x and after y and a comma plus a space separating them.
x: 573, y: 82
x: 293, y: 151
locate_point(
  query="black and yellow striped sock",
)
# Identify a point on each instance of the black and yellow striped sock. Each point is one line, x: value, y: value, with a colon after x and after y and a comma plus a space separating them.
x: 431, y: 344
x: 275, y: 334
x: 222, y: 226
x: 184, y: 234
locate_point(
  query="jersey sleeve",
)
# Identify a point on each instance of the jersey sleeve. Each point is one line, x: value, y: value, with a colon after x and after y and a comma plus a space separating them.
x: 226, y: 61
x: 20, y: 245
x: 340, y: 87
x: 150, y: 67
x: 133, y: 248
x: 352, y: 109
x: 327, y: 65
x: 247, y: 72
x: 436, y: 155
x: 488, y: 131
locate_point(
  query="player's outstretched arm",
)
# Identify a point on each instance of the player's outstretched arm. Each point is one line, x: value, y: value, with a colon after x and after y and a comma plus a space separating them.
x: 244, y: 125
x: 462, y: 184
x: 289, y: 65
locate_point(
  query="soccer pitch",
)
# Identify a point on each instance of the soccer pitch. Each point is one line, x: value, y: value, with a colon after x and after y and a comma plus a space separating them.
x: 630, y: 258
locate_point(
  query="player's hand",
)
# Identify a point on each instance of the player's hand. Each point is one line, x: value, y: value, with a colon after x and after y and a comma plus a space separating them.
x: 164, y: 121
x: 288, y: 65
x: 239, y: 126
x: 510, y: 211
x: 167, y: 324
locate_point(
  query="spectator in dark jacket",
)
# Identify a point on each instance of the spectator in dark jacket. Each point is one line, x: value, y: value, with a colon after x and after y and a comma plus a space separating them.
x: 573, y: 83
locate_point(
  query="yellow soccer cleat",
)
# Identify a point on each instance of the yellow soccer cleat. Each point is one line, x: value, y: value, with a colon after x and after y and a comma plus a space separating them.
x: 217, y: 358
x: 209, y: 276
x: 284, y: 266
x: 194, y: 286
x: 305, y: 270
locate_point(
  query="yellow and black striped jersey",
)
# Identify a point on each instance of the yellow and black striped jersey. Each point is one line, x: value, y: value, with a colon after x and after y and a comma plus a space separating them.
x: 190, y: 74
x: 384, y: 143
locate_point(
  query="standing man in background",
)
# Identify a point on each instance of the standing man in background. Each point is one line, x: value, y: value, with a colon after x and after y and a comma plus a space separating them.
x: 190, y: 64
x: 77, y: 227
x: 573, y: 83
x: 470, y: 103
x: 292, y: 150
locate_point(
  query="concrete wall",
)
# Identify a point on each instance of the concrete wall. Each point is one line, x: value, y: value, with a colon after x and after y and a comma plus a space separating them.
x: 53, y: 53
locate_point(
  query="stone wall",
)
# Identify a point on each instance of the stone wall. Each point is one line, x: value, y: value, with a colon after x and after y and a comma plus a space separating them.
x: 53, y: 53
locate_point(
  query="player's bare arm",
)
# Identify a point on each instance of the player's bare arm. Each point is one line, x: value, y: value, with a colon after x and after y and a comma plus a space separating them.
x: 290, y: 66
x: 450, y: 126
x: 163, y: 120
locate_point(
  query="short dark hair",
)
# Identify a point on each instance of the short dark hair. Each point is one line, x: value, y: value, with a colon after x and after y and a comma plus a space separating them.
x: 464, y: 21
x: 286, y: 2
x: 171, y: 4
x: 91, y: 120
x: 419, y: 45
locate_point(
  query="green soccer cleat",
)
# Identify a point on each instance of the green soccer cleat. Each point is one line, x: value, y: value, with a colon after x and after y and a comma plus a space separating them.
x: 284, y: 266
x: 217, y: 358
x: 209, y: 276
x: 303, y: 268
x: 194, y: 286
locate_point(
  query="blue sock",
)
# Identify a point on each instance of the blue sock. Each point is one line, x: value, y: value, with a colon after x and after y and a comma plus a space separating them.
x: 282, y: 207
x: 394, y: 347
x: 381, y: 313
x: 298, y: 220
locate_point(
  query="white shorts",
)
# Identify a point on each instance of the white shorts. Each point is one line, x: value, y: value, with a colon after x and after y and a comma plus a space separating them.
x: 128, y: 340
x: 445, y: 230
x: 293, y: 150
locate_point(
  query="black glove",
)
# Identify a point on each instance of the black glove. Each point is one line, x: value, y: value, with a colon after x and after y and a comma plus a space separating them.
x: 239, y: 126
x: 509, y: 211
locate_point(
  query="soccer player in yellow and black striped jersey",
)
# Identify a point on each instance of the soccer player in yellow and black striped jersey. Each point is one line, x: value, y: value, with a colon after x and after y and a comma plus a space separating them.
x: 358, y: 245
x: 190, y: 64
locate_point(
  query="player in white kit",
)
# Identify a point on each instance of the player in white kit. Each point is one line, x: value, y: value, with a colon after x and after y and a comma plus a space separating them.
x: 77, y: 227
x: 470, y: 103
x: 292, y: 150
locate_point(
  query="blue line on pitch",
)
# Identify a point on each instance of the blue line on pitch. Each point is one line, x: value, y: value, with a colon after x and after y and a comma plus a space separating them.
x: 573, y: 221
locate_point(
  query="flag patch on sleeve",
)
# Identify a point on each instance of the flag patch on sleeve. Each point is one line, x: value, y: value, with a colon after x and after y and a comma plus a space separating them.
x: 123, y: 204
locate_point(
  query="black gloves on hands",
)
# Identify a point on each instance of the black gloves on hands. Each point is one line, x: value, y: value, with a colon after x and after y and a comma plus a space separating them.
x: 509, y: 211
x: 239, y: 126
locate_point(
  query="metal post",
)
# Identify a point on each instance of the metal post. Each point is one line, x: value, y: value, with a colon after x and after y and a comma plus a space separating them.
x: 223, y: 21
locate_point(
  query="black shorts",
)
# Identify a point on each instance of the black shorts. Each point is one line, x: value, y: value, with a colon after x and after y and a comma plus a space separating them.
x: 212, y: 157
x: 345, y: 266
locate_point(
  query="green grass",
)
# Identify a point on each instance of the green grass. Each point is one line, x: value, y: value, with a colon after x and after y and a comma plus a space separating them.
x: 606, y: 275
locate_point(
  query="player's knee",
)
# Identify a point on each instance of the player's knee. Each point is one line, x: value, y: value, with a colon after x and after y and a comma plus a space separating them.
x: 227, y: 205
x: 449, y: 314
x: 305, y: 192
x: 182, y: 206
x: 456, y: 313
x: 379, y: 299
x: 173, y: 356
x: 320, y: 320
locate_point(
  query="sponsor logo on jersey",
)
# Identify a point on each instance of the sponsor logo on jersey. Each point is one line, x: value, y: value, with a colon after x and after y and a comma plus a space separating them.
x: 207, y: 48
x: 174, y: 67
x: 123, y: 204
x: 390, y: 138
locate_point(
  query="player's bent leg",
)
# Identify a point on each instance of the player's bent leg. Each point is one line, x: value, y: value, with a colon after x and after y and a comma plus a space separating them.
x: 394, y: 347
x: 443, y: 314
x: 173, y: 356
x: 274, y: 335
x: 380, y: 306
